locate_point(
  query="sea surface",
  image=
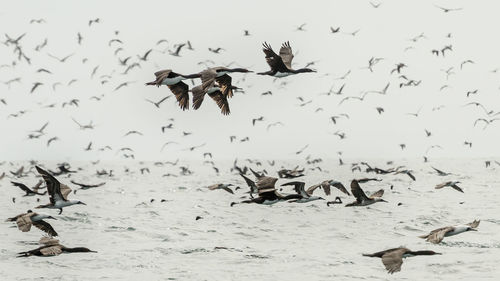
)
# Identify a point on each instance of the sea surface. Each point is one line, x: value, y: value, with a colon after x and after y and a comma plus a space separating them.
x: 137, y: 239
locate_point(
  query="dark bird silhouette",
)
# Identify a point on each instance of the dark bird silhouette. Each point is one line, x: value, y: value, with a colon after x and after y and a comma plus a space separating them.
x: 281, y: 65
x: 393, y: 258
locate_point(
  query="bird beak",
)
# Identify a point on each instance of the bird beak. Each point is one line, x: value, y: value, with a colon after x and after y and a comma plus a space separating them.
x: 82, y: 203
x: 51, y: 217
x: 382, y: 200
x: 472, y: 229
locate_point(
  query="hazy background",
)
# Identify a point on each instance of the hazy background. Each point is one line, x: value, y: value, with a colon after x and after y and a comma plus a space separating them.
x: 383, y: 32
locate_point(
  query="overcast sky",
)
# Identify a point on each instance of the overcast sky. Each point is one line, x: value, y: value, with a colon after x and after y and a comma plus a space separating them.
x: 384, y: 32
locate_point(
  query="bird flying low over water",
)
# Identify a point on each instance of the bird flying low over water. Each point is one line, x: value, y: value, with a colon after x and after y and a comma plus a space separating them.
x: 28, y: 191
x: 26, y: 220
x: 393, y: 258
x: 361, y: 198
x: 305, y: 196
x: 437, y: 235
x: 53, y: 248
x: 221, y: 186
x: 58, y: 192
x: 281, y: 65
x: 452, y: 184
x: 268, y: 195
x: 174, y: 82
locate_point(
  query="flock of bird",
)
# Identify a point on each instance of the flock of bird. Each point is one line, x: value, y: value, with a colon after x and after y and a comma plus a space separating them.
x: 267, y: 194
x: 58, y: 195
x: 217, y: 83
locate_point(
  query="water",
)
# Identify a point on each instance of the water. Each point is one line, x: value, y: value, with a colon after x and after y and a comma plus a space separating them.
x: 162, y: 240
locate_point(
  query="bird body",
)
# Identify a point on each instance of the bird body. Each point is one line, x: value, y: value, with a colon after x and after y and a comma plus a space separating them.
x: 58, y: 192
x: 437, y: 235
x: 393, y: 258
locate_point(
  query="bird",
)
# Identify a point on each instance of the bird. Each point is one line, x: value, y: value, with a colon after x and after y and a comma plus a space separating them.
x: 216, y: 93
x: 361, y: 198
x: 301, y: 27
x: 325, y: 185
x: 254, y: 120
x: 40, y: 131
x: 35, y: 86
x: 265, y: 187
x: 53, y: 248
x: 28, y: 191
x: 441, y: 173
x: 216, y: 50
x: 393, y: 258
x: 452, y: 184
x: 174, y: 82
x: 157, y: 104
x: 334, y: 30
x: 133, y: 132
x: 437, y: 235
x: 61, y: 59
x: 51, y: 140
x: 145, y: 56
x: 177, y: 50
x: 87, y: 186
x: 281, y: 65
x: 58, y: 192
x: 447, y: 10
x: 221, y: 186
x: 299, y: 189
x: 24, y: 222
x: 220, y: 75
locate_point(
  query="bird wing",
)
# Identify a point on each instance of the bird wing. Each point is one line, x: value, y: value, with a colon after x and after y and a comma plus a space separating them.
x: 221, y: 101
x: 437, y: 235
x: 180, y: 90
x: 225, y: 84
x: 393, y: 260
x: 24, y: 222
x: 311, y: 189
x: 51, y: 250
x: 65, y: 191
x: 53, y: 186
x: 411, y: 175
x: 378, y: 193
x: 456, y: 187
x: 474, y: 224
x: 299, y: 188
x: 22, y: 186
x: 228, y: 189
x: 273, y: 60
x: 357, y: 191
x: 45, y: 227
x: 286, y: 54
x: 341, y: 187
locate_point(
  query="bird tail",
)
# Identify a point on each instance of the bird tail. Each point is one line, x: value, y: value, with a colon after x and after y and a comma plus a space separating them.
x: 152, y: 83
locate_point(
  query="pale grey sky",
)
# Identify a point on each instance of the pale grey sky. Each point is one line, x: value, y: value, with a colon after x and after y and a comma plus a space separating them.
x: 383, y: 32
